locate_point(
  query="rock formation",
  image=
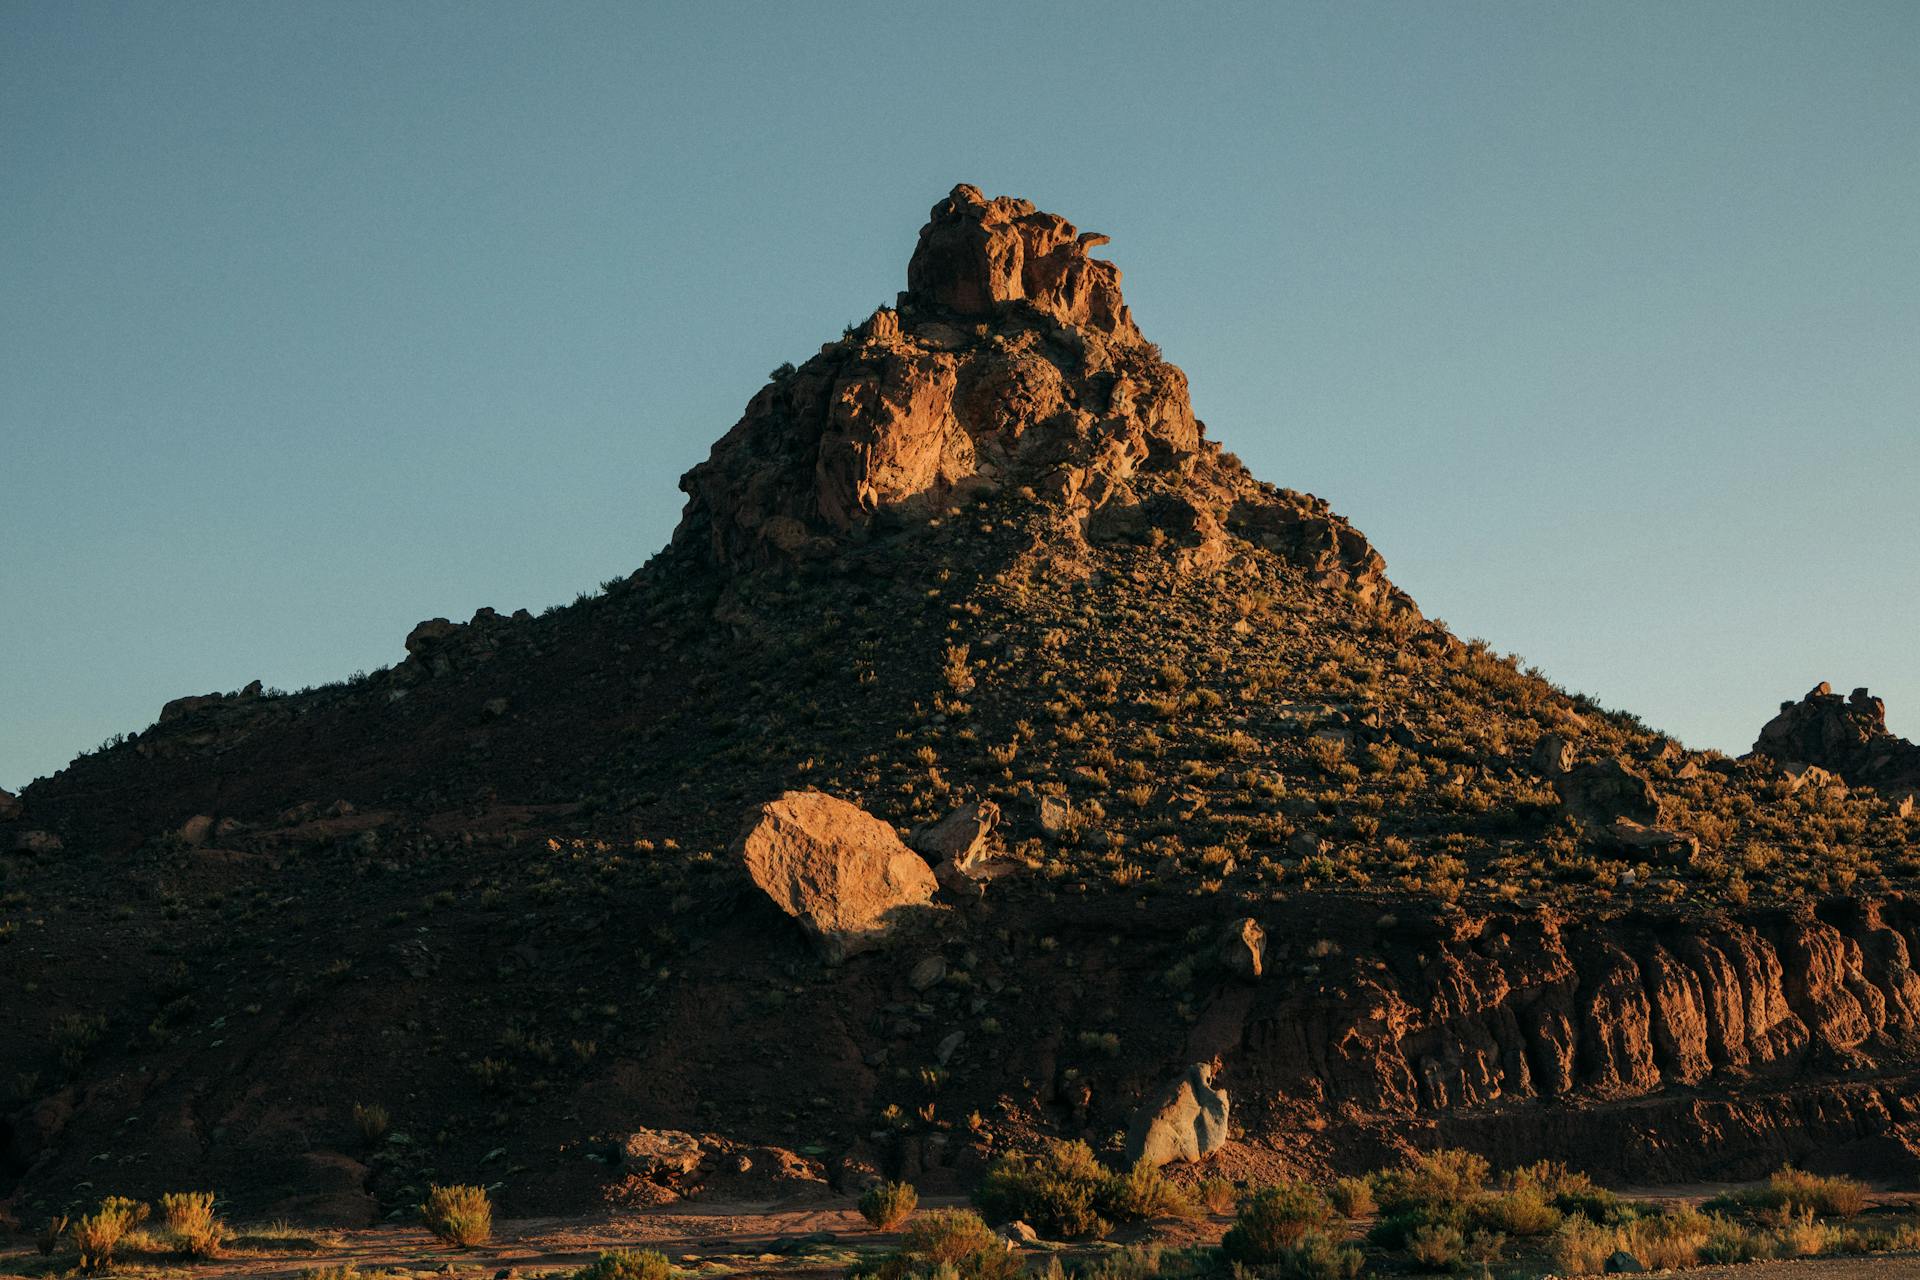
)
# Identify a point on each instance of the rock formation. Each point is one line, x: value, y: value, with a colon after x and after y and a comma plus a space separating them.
x: 838, y: 870
x: 1010, y: 361
x: 1845, y: 736
x: 1188, y: 1121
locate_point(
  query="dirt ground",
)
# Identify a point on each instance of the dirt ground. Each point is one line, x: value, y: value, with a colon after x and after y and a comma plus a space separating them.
x: 732, y: 1238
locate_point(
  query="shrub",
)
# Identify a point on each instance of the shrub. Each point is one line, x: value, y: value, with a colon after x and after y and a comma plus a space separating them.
x: 1581, y: 1247
x: 1218, y: 1195
x: 627, y: 1264
x: 1437, y: 1247
x: 1063, y: 1191
x: 1396, y: 1228
x: 372, y: 1120
x: 99, y: 1233
x: 1823, y: 1197
x: 888, y: 1204
x: 1352, y: 1197
x: 1801, y: 1235
x: 1142, y: 1192
x: 1316, y: 1257
x: 1524, y: 1212
x: 952, y: 1243
x: 189, y: 1214
x: 49, y: 1238
x: 1447, y: 1176
x: 1274, y: 1220
x: 458, y: 1215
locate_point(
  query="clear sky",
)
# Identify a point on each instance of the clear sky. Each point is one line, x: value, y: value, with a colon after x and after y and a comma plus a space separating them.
x: 1603, y: 321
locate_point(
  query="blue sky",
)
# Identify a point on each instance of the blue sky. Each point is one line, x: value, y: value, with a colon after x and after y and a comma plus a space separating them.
x: 1603, y: 321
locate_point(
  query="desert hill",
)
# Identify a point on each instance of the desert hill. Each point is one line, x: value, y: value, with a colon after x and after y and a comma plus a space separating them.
x: 1233, y: 801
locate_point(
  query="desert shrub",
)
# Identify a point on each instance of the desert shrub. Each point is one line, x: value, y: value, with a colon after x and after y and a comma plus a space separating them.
x: 372, y: 1122
x: 190, y: 1221
x: 1397, y: 1227
x: 1142, y: 1192
x: 1729, y: 1242
x: 1352, y: 1197
x: 1316, y: 1257
x: 1218, y: 1195
x: 1053, y: 1192
x: 99, y: 1233
x: 1523, y: 1212
x: 1274, y: 1220
x: 627, y: 1264
x: 1139, y: 1262
x: 1795, y: 1190
x: 888, y: 1204
x: 953, y: 1244
x: 458, y: 1215
x: 1581, y: 1247
x: 1447, y: 1176
x: 1801, y: 1235
x: 1437, y: 1247
x: 1565, y: 1189
x: 1066, y: 1191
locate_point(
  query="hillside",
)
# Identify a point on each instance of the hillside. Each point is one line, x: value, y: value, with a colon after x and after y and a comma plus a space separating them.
x: 977, y: 549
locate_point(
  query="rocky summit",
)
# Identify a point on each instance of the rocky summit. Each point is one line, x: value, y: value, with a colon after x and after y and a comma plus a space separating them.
x: 989, y: 758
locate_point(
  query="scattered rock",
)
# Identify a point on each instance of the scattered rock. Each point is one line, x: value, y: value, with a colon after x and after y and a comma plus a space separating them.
x: 928, y: 974
x: 948, y: 1046
x: 1243, y: 947
x: 1620, y: 1261
x: 1019, y: 1232
x: 837, y: 869
x: 1303, y: 844
x: 196, y: 831
x: 1054, y: 816
x: 1188, y: 1121
x: 1603, y: 792
x: 963, y: 838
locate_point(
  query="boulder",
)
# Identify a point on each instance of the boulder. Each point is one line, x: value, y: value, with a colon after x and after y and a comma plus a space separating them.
x: 1054, y: 816
x: 9, y: 805
x: 1188, y: 1121
x: 196, y: 831
x: 837, y: 869
x: 661, y: 1155
x: 1602, y: 792
x: 1620, y: 1262
x: 1552, y: 755
x: 1243, y: 947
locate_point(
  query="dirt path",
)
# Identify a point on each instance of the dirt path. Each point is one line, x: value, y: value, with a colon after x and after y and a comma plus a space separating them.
x: 1882, y: 1267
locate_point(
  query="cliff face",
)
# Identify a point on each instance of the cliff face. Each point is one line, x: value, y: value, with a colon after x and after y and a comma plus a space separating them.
x: 1510, y: 1008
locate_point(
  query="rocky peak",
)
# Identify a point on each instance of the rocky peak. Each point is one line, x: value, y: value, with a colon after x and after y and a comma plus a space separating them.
x: 976, y: 255
x: 1846, y: 736
x: 1010, y: 367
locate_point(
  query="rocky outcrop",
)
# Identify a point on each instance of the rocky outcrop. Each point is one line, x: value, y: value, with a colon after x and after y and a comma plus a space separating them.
x: 837, y: 869
x: 1846, y: 736
x: 1011, y: 363
x: 1187, y: 1121
x: 10, y: 808
x: 1515, y: 1007
x: 977, y: 255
